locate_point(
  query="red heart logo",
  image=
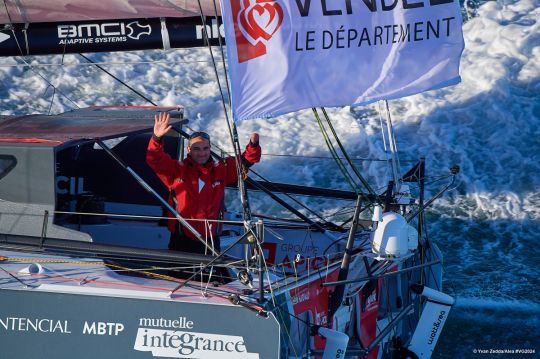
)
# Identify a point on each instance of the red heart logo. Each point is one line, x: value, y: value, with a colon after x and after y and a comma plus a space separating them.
x: 260, y: 19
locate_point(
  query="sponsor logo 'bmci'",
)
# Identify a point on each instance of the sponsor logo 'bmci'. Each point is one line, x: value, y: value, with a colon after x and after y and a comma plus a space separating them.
x: 133, y: 30
x: 256, y: 21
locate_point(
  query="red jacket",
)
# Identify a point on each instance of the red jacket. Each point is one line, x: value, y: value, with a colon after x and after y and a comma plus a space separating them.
x: 199, y: 189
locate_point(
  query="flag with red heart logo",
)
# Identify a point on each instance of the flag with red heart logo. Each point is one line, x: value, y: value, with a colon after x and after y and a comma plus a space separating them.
x: 288, y: 55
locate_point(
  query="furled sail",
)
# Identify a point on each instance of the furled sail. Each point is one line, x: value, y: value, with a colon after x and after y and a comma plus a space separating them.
x: 73, y: 26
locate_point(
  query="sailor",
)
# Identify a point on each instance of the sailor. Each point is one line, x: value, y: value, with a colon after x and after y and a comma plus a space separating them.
x: 197, y: 184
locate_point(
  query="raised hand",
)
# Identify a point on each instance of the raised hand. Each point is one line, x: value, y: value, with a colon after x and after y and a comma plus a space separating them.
x: 161, y: 124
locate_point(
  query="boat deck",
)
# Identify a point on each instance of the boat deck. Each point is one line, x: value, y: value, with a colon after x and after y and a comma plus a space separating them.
x: 64, y: 274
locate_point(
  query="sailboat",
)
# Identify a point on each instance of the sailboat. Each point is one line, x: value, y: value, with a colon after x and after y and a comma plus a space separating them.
x: 83, y: 222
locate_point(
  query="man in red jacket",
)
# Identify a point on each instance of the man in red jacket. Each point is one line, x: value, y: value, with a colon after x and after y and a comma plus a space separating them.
x: 197, y: 184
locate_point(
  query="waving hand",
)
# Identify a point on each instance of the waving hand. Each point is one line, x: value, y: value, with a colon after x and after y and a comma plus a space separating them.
x: 161, y: 124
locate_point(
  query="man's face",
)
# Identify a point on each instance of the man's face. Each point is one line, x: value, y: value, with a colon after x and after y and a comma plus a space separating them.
x: 199, y: 150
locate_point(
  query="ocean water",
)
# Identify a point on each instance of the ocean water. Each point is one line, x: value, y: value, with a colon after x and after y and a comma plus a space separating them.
x: 489, y: 124
x: 488, y: 228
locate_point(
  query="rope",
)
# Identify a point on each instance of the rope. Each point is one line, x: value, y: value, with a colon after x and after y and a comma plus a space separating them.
x: 227, y: 86
x: 60, y: 261
x: 327, y: 158
x: 119, y: 268
x: 41, y: 76
x: 35, y: 260
x: 291, y: 197
x: 111, y: 63
x: 17, y: 279
x: 146, y: 217
x: 334, y: 154
x: 52, y: 99
x: 395, y: 165
x: 29, y: 65
x: 383, y: 135
x: 28, y: 140
x: 349, y: 161
x: 117, y: 79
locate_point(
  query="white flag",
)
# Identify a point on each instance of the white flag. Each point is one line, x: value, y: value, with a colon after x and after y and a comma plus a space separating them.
x: 287, y: 55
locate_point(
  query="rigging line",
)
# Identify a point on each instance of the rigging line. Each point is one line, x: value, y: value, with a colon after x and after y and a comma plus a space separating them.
x: 334, y: 154
x: 279, y: 309
x: 342, y: 211
x: 433, y: 254
x: 422, y: 261
x: 117, y: 79
x: 437, y: 179
x: 52, y: 101
x: 58, y: 261
x: 232, y: 128
x: 314, y: 157
x: 101, y: 255
x: 227, y: 86
x: 104, y: 282
x: 22, y: 14
x: 111, y: 63
x: 306, y: 236
x: 285, y: 283
x: 382, y: 129
x: 293, y: 315
x: 204, y: 292
x: 267, y: 272
x: 18, y: 279
x: 345, y: 154
x: 7, y: 13
x: 327, y: 158
x: 284, y: 279
x: 270, y: 184
x: 64, y: 48
x: 145, y: 216
x: 145, y: 271
x: 41, y: 76
x: 389, y: 310
x: 383, y: 135
x: 148, y: 269
x: 26, y: 62
x: 336, y: 157
x: 224, y: 293
x: 274, y: 270
x: 297, y: 287
x: 393, y: 135
x: 396, y: 167
x: 54, y: 89
x: 98, y: 281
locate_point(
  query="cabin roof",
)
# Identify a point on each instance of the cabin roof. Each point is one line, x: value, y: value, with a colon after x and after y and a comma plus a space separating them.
x: 81, y: 124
